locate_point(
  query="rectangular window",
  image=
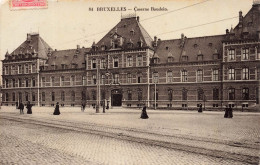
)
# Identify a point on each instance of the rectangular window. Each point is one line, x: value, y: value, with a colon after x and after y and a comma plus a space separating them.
x: 129, y: 61
x: 94, y: 63
x: 6, y: 70
x: 26, y: 68
x: 13, y: 96
x: 245, y: 94
x: 33, y: 68
x: 84, y: 80
x: 139, y: 60
x: 200, y: 57
x: 231, y: 94
x: 129, y: 78
x: 52, y: 83
x: 6, y: 83
x: 33, y: 96
x: 43, y: 82
x: 116, y: 62
x: 245, y: 54
x: 72, y: 80
x: 169, y: 76
x: 33, y: 82
x: 129, y: 95
x: 258, y: 55
x: 6, y: 97
x: 215, y: 94
x: 231, y: 74
x: 231, y: 54
x: 184, y: 94
x: 103, y: 63
x: 116, y: 78
x: 156, y: 77
x: 13, y: 81
x: 184, y: 76
x: 62, y: 81
x: 19, y: 69
x: 245, y: 73
x: 103, y: 78
x: 52, y: 96
x: 215, y: 75
x: 19, y: 82
x: 62, y: 96
x: 43, y: 96
x: 94, y: 79
x: 26, y: 83
x: 199, y: 76
x: 184, y: 58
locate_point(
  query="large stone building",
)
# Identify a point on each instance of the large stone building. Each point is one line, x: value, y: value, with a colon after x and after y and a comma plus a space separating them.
x: 129, y: 68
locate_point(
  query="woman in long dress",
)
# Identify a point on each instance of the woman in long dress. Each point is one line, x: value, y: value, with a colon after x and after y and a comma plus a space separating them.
x: 57, y: 109
x: 29, y: 108
x: 144, y: 113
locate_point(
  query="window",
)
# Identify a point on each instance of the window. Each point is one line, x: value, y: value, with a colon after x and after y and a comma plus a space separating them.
x: 139, y: 78
x: 33, y: 82
x: 94, y: 96
x: 245, y: 94
x: 72, y: 80
x: 52, y: 96
x: 156, y: 94
x: 94, y: 79
x: 184, y: 77
x: 170, y: 59
x: 43, y: 81
x: 184, y: 58
x: 72, y: 96
x: 62, y: 96
x: 19, y: 82
x: 33, y: 68
x: 184, y: 94
x: 129, y: 95
x: 245, y: 74
x: 231, y: 54
x: 62, y: 81
x: 13, y: 96
x: 170, y: 94
x: 231, y: 74
x: 245, y: 54
x: 26, y: 96
x: 84, y: 80
x: 129, y: 78
x: 129, y: 61
x: 200, y: 94
x: 6, y: 83
x: 52, y: 81
x: 26, y: 68
x: 6, y: 97
x: 33, y: 96
x: 20, y: 96
x: 116, y: 62
x: 258, y: 54
x: 231, y: 94
x: 13, y: 83
x: 103, y: 78
x: 43, y: 96
x: 215, y: 94
x: 83, y: 95
x: 19, y: 69
x: 139, y: 94
x: 116, y: 78
x: 103, y: 63
x: 200, y: 57
x: 94, y: 63
x: 199, y: 76
x: 139, y: 60
x: 169, y: 76
x: 6, y: 70
x: 215, y: 75
x: 26, y: 83
x: 156, y: 77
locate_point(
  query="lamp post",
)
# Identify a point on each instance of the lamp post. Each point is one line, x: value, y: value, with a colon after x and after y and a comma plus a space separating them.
x: 98, y: 91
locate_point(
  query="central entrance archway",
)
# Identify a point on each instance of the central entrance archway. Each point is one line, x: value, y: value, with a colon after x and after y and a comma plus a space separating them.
x: 116, y: 97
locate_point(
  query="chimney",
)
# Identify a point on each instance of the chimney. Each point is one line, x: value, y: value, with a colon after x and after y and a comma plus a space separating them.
x: 78, y: 47
x: 155, y: 41
x: 240, y: 18
x: 182, y: 36
x: 227, y: 31
x: 28, y: 37
x: 137, y: 18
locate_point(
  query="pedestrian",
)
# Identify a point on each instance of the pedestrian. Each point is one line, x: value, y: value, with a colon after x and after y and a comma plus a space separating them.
x: 29, y: 107
x: 200, y: 108
x: 16, y: 104
x: 83, y: 106
x: 144, y: 113
x: 57, y: 109
x: 226, y: 112
x: 230, y: 111
x: 21, y: 107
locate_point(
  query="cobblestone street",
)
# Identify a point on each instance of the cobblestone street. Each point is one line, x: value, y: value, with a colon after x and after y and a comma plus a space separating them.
x: 119, y: 136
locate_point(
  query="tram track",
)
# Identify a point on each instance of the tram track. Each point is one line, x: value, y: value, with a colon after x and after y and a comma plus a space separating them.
x: 142, y: 137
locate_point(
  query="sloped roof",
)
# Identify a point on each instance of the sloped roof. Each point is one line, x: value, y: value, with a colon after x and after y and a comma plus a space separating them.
x: 33, y: 44
x: 67, y: 57
x: 250, y: 25
x: 206, y: 46
x: 124, y: 28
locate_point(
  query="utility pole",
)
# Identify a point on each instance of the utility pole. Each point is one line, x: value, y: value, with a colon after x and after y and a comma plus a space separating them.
x: 98, y: 91
x: 155, y: 93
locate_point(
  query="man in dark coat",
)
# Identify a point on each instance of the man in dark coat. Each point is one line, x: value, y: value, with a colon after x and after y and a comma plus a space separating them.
x: 21, y: 107
x: 57, y: 109
x: 226, y: 112
x: 200, y: 108
x: 230, y: 112
x: 83, y: 106
x: 144, y: 113
x: 29, y: 107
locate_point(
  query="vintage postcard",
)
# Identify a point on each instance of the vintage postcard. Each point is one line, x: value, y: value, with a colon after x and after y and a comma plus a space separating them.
x: 129, y: 82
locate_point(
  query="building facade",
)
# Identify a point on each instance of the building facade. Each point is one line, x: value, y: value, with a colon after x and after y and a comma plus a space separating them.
x: 128, y: 68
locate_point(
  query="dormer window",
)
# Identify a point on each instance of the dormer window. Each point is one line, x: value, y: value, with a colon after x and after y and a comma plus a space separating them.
x: 74, y: 66
x: 184, y: 58
x: 103, y: 47
x: 156, y: 60
x: 132, y: 32
x: 200, y: 57
x: 170, y: 59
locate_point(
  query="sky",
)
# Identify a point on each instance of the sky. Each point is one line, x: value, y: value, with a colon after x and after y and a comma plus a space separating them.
x: 67, y: 23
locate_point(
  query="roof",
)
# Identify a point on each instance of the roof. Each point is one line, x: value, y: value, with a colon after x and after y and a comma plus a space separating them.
x: 33, y: 44
x: 67, y: 58
x: 191, y: 47
x: 130, y: 31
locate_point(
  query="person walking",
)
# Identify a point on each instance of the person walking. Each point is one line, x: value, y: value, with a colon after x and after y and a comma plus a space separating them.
x: 83, y: 106
x: 21, y: 107
x: 57, y: 109
x: 144, y: 113
x: 230, y: 112
x: 226, y: 112
x: 29, y: 107
x: 200, y: 108
x: 16, y: 104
